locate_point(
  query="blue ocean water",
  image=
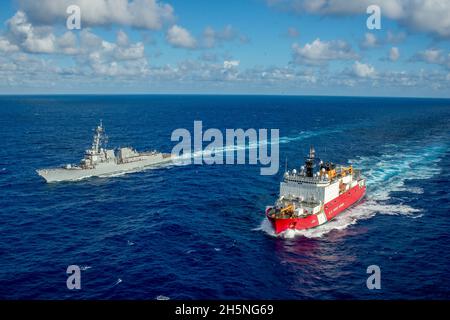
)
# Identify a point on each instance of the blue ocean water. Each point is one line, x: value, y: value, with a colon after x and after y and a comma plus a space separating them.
x: 198, y: 232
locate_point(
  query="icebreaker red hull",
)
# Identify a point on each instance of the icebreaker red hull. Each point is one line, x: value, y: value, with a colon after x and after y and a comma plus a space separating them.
x: 330, y: 210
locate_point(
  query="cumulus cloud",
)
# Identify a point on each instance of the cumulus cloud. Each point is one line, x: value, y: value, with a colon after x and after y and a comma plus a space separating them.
x: 147, y: 14
x: 418, y: 80
x: 32, y: 30
x: 106, y: 58
x: 289, y: 77
x: 92, y: 55
x: 394, y: 54
x: 194, y: 70
x: 320, y: 52
x: 431, y: 16
x: 126, y: 51
x: 22, y: 35
x: 7, y: 46
x: 102, y: 65
x: 363, y: 70
x: 180, y: 37
x: 68, y: 43
x: 20, y: 70
x: 31, y: 39
x: 131, y: 52
x: 122, y: 38
x: 434, y: 56
x: 231, y: 64
x: 228, y: 72
x: 370, y: 40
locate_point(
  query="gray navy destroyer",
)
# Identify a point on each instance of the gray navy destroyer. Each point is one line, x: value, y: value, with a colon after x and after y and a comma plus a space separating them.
x: 99, y: 161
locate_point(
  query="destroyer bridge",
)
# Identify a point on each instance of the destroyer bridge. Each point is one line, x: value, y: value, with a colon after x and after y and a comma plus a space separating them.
x: 308, y: 198
x: 99, y: 161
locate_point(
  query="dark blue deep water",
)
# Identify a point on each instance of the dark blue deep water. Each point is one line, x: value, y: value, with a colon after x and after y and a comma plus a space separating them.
x: 198, y: 232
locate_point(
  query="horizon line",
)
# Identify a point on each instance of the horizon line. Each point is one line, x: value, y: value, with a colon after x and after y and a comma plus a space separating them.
x: 220, y: 94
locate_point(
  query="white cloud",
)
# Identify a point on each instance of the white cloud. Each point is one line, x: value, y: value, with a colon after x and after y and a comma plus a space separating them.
x: 134, y: 51
x: 112, y: 59
x: 285, y: 75
x: 434, y: 56
x: 231, y: 64
x: 6, y: 46
x: 319, y: 52
x: 394, y: 54
x: 363, y: 70
x: 103, y: 66
x: 89, y: 40
x: 148, y: 14
x: 227, y: 71
x: 92, y: 54
x: 126, y: 51
x: 180, y: 37
x: 31, y: 39
x: 370, y: 40
x: 122, y: 38
x: 431, y: 16
x: 41, y: 45
x: 67, y: 43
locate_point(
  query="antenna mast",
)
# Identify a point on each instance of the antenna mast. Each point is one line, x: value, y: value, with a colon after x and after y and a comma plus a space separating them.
x: 309, y: 163
x: 97, y: 138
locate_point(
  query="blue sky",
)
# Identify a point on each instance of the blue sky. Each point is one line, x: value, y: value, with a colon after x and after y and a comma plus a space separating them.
x: 245, y: 47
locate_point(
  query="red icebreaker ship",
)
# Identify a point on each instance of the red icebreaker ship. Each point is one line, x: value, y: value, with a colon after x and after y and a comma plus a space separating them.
x: 309, y: 199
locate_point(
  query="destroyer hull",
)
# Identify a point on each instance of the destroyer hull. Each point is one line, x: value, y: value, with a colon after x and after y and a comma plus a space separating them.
x: 330, y: 210
x: 105, y: 169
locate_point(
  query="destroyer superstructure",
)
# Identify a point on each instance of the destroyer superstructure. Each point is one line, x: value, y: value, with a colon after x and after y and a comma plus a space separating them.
x: 99, y: 161
x: 308, y: 199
